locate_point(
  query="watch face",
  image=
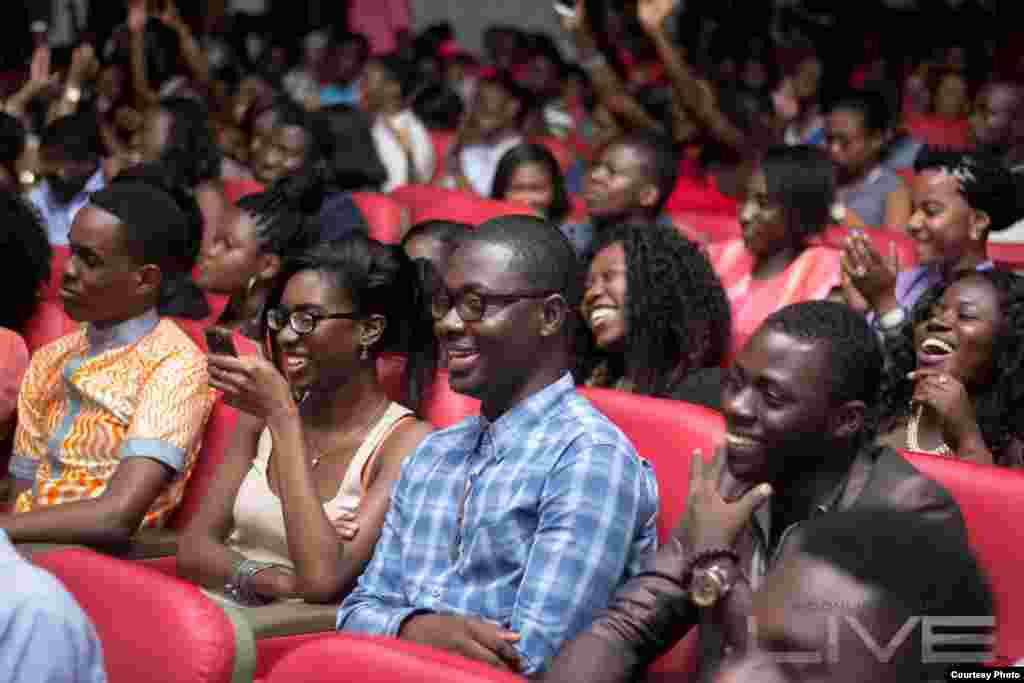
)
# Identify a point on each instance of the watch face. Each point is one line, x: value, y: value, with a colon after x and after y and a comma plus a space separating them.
x: 704, y: 589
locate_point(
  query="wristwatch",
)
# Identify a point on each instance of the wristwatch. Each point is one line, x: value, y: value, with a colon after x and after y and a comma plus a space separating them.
x: 709, y: 585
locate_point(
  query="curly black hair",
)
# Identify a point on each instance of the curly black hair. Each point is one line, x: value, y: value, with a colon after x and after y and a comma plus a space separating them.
x: 999, y: 407
x: 27, y: 255
x: 677, y: 311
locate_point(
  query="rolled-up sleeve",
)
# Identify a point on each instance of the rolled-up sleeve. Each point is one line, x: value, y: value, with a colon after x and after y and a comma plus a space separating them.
x: 173, y: 407
x: 596, y: 527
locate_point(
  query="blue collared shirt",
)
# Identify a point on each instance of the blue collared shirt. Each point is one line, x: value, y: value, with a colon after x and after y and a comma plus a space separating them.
x: 58, y: 217
x: 912, y: 284
x: 559, y: 511
x: 45, y: 637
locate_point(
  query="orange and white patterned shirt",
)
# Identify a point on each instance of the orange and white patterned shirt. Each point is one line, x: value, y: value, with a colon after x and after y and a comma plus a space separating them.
x: 97, y: 396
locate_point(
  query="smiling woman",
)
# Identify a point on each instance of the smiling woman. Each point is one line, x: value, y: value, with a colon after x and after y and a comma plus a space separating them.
x: 956, y: 382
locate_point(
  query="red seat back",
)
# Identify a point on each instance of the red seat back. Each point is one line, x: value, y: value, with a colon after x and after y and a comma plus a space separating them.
x: 152, y: 627
x: 443, y: 407
x: 938, y: 131
x: 384, y: 216
x: 665, y: 433
x: 349, y: 657
x: 1007, y: 255
x: 425, y: 203
x: 48, y: 323
x: 990, y: 499
x: 58, y: 258
x: 390, y: 369
x: 237, y: 188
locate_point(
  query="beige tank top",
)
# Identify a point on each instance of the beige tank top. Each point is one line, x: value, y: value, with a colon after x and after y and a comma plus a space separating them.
x: 259, y: 531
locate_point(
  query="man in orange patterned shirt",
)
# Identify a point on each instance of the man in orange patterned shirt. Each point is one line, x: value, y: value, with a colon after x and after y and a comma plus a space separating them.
x: 110, y: 418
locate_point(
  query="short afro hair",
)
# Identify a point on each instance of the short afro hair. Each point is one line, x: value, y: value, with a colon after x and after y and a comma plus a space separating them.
x: 855, y: 359
x: 678, y: 313
x: 985, y: 183
x: 661, y: 159
x: 873, y: 106
x: 545, y: 257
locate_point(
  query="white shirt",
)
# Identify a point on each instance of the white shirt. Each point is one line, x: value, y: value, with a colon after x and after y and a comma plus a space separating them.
x: 59, y: 217
x: 392, y: 155
x: 480, y: 162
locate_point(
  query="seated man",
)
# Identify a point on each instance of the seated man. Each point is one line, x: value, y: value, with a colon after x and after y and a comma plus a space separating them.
x: 490, y: 127
x: 69, y: 157
x: 110, y: 418
x: 799, y: 437
x: 508, y: 532
x: 863, y: 569
x: 629, y: 182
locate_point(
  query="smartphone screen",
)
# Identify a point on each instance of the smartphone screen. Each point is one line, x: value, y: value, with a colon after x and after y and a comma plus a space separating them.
x: 566, y: 8
x: 218, y: 341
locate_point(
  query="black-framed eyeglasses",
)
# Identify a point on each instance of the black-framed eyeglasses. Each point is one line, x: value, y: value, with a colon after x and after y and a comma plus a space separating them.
x: 472, y: 306
x: 302, y: 322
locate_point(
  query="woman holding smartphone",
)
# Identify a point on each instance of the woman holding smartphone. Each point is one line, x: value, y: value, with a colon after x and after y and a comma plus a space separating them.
x: 299, y: 501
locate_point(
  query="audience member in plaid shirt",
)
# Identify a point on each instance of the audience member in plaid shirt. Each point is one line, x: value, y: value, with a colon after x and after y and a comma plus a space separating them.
x: 508, y: 532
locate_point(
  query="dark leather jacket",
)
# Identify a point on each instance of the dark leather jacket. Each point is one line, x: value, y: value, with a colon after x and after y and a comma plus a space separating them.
x: 651, y: 612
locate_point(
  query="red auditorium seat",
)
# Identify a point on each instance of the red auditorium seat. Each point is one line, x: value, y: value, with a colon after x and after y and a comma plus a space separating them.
x: 707, y: 226
x: 1007, y: 255
x: 990, y: 499
x: 237, y: 188
x: 443, y: 407
x: 426, y: 202
x: 348, y: 657
x: 153, y: 628
x: 938, y: 131
x: 384, y: 216
x: 48, y: 323
x: 882, y: 240
x: 58, y: 258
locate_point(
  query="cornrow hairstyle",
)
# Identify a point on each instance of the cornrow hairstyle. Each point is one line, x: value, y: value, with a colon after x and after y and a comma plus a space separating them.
x: 985, y: 183
x: 677, y: 314
x: 379, y: 279
x: 999, y: 407
x: 27, y: 255
x: 287, y: 213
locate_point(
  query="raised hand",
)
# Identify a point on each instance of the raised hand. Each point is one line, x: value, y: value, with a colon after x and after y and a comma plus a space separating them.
x: 251, y: 384
x: 653, y: 13
x: 872, y: 276
x: 711, y: 522
x: 947, y: 396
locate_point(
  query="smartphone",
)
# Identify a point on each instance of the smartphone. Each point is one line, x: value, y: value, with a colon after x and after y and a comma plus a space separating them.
x: 566, y: 8
x: 218, y: 341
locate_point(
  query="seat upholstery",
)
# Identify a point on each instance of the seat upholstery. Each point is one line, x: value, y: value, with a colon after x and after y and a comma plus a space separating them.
x: 385, y: 217
x: 707, y: 226
x: 426, y: 203
x: 48, y: 323
x: 153, y: 628
x: 349, y: 657
x: 1009, y: 255
x: 990, y: 499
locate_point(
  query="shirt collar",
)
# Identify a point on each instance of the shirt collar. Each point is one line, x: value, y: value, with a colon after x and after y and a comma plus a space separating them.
x: 93, y: 184
x: 511, y: 427
x: 122, y: 334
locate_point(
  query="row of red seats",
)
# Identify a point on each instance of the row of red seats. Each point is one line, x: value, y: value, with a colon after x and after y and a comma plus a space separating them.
x: 665, y: 432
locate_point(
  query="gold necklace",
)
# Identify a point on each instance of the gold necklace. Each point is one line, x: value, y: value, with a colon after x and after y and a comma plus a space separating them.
x: 912, y: 442
x: 321, y: 455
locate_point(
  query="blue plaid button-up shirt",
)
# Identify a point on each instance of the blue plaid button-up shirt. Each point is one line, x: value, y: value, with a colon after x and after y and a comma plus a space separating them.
x: 558, y: 511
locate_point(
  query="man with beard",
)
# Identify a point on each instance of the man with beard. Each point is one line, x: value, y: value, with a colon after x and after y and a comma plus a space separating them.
x: 798, y: 446
x: 69, y: 156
